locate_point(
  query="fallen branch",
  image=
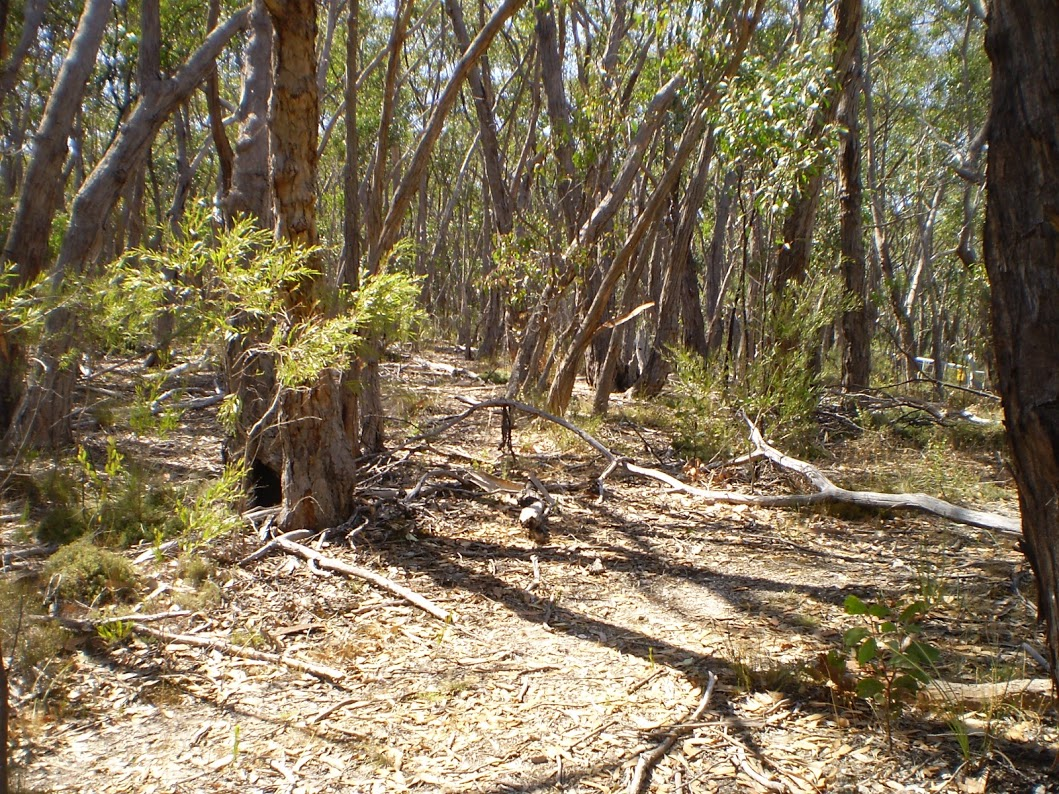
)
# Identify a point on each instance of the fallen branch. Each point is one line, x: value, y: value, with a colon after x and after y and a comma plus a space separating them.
x: 272, y: 545
x: 446, y: 369
x: 92, y: 625
x: 158, y: 405
x: 331, y: 564
x: 648, y: 761
x: 826, y: 491
x: 216, y: 643
x: 950, y: 692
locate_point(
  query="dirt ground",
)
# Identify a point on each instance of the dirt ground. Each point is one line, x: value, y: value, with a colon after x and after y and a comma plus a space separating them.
x: 567, y: 662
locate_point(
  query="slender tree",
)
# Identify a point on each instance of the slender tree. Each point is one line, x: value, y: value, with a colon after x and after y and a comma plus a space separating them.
x: 856, y: 322
x: 43, y: 416
x: 317, y: 433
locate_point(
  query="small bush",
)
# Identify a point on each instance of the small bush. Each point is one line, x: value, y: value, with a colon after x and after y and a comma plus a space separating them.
x: 195, y: 569
x: 26, y: 642
x: 90, y: 574
x: 119, y: 504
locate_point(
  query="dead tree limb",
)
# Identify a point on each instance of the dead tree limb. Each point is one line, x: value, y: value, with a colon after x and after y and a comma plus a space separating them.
x: 826, y: 491
x: 331, y: 564
x: 216, y: 643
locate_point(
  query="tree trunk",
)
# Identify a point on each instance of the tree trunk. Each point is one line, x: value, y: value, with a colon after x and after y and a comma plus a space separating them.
x: 5, y: 703
x: 793, y: 259
x: 481, y: 87
x: 225, y: 155
x: 251, y: 192
x: 654, y: 375
x: 317, y: 425
x: 716, y: 261
x: 42, y: 192
x: 32, y: 17
x: 349, y: 269
x: 568, y: 185
x: 857, y: 322
x: 382, y: 240
x: 586, y: 327
x: 1022, y: 260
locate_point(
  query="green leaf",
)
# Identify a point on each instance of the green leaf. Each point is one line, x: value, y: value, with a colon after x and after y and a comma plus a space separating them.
x: 907, y: 683
x: 855, y: 636
x: 868, y: 651
x: 879, y: 611
x: 913, y: 612
x: 922, y: 653
x: 854, y: 606
x: 869, y: 688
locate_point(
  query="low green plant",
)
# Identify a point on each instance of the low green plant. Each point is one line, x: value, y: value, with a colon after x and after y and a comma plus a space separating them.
x: 195, y: 569
x: 28, y: 642
x: 86, y: 573
x: 113, y: 632
x: 114, y: 503
x: 496, y: 376
x: 778, y: 386
x: 893, y: 662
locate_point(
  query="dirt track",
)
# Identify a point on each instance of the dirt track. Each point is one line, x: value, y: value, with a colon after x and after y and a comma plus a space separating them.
x: 566, y: 661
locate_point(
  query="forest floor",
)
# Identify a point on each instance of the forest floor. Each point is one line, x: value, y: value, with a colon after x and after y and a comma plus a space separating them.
x: 566, y: 661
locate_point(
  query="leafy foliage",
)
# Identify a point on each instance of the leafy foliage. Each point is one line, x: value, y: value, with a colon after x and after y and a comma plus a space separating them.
x: 114, y: 503
x: 242, y: 283
x: 777, y: 385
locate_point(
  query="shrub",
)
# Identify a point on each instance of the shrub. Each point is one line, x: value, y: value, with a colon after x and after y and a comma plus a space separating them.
x: 91, y: 575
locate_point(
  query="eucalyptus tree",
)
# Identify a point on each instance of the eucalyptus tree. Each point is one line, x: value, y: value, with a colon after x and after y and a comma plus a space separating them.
x: 856, y: 321
x: 25, y: 254
x: 249, y: 192
x: 1022, y: 257
x: 43, y: 415
x: 317, y: 434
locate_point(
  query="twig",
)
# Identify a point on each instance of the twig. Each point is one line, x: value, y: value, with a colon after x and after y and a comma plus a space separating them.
x: 323, y: 715
x: 642, y: 776
x: 1037, y: 657
x: 216, y: 643
x: 331, y: 564
x: 740, y: 760
x: 503, y: 402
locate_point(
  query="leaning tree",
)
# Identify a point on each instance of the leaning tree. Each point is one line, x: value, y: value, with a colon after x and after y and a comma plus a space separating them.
x: 1022, y: 259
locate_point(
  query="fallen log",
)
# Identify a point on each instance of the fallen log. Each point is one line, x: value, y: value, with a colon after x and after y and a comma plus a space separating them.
x: 826, y: 492
x: 953, y: 692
